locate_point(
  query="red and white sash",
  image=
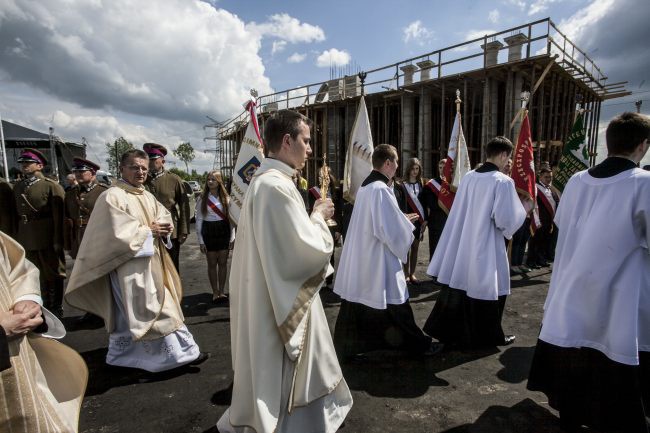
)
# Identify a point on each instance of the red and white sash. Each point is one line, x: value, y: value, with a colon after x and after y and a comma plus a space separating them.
x: 434, y: 186
x: 548, y: 202
x: 414, y: 203
x: 212, y: 202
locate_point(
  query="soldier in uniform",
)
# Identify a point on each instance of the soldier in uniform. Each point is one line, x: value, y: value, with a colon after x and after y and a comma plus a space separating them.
x: 79, y: 202
x: 39, y: 201
x: 168, y: 190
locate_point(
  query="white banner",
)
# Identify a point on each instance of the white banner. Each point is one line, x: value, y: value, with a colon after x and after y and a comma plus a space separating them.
x: 358, y: 158
x: 249, y: 159
x: 458, y: 153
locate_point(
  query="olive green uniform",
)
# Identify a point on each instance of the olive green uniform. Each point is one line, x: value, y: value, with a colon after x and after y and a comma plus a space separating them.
x: 8, y: 215
x: 79, y: 203
x: 169, y: 191
x: 39, y: 201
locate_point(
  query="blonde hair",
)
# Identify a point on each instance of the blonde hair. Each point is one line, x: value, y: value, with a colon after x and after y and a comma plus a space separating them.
x: 221, y: 191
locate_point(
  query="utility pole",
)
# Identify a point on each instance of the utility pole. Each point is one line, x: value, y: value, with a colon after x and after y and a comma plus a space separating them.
x: 4, y: 151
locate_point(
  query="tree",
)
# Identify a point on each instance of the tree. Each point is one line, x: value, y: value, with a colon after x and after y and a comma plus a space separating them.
x: 115, y: 152
x: 180, y: 173
x: 185, y: 152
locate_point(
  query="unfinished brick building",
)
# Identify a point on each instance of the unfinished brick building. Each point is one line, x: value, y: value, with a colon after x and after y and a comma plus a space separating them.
x: 411, y: 103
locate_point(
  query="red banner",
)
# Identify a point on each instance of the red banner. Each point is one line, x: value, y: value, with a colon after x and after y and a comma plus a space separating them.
x: 523, y: 170
x: 446, y: 195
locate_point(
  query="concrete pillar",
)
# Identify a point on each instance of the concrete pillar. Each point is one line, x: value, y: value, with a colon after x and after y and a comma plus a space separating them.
x: 515, y: 43
x: 335, y: 89
x: 408, y: 70
x: 492, y: 52
x: 352, y: 86
x: 408, y: 139
x: 424, y: 140
x: 425, y: 69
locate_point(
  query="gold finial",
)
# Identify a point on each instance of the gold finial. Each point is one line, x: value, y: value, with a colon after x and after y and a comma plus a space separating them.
x: 324, y: 178
x: 525, y: 96
x: 458, y: 101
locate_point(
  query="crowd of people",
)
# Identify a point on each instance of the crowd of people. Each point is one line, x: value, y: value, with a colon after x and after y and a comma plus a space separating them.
x: 591, y: 358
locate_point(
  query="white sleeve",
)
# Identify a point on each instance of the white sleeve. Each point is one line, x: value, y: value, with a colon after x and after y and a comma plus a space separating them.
x: 390, y: 225
x: 507, y: 212
x: 147, y: 247
x: 29, y: 297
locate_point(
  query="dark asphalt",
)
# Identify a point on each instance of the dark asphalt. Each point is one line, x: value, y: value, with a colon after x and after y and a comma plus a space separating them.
x: 453, y: 392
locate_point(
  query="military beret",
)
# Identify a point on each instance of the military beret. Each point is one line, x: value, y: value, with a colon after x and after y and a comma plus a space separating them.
x: 80, y: 164
x: 155, y: 150
x: 32, y: 155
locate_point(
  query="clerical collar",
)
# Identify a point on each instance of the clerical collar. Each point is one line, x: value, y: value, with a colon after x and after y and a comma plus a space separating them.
x: 375, y: 176
x: 611, y: 167
x: 270, y: 162
x: 129, y: 188
x: 157, y: 174
x: 487, y: 167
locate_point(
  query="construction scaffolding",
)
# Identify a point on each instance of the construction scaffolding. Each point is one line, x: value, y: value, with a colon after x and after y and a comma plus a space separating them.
x: 411, y: 103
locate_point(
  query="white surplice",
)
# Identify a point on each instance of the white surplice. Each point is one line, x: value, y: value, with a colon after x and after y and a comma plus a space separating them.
x: 379, y: 238
x: 599, y: 295
x: 471, y: 254
x: 286, y: 374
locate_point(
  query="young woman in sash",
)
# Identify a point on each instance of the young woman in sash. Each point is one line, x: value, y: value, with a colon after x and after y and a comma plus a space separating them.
x: 213, y: 230
x: 412, y: 187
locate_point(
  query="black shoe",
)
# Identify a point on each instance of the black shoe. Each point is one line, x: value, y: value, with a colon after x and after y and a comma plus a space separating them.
x: 434, y: 349
x: 533, y: 266
x: 542, y: 264
x: 203, y: 356
x: 508, y: 340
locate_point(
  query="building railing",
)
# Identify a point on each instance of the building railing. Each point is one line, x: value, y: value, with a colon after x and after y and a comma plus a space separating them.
x: 540, y: 38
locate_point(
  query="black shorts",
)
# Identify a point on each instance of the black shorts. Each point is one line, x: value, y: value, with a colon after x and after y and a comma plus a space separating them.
x: 216, y: 235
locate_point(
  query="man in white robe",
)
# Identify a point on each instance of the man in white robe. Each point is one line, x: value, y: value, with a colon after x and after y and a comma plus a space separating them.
x: 124, y: 275
x: 287, y: 378
x: 592, y: 358
x: 42, y: 382
x: 471, y: 258
x: 375, y: 312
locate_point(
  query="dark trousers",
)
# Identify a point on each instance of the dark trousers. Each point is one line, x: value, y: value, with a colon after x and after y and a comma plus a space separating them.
x: 174, y: 253
x: 539, y: 246
x: 519, y: 240
x: 51, y: 265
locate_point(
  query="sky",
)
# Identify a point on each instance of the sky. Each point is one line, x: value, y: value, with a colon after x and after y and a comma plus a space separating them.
x: 154, y: 70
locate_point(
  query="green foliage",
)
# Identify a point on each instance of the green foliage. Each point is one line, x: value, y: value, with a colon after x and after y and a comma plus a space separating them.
x: 115, y: 151
x: 185, y: 152
x: 180, y: 173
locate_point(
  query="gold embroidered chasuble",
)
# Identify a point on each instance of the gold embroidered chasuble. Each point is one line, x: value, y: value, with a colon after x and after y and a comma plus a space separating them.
x: 44, y: 388
x: 150, y: 286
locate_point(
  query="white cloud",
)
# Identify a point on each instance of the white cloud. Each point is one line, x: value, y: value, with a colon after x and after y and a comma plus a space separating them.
x: 333, y: 57
x: 278, y: 46
x: 287, y: 28
x: 174, y: 59
x: 417, y: 32
x: 521, y: 4
x: 576, y: 25
x: 474, y: 34
x: 296, y: 58
x: 493, y: 16
x: 539, y: 6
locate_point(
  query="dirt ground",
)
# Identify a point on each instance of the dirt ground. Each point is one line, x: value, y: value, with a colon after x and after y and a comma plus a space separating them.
x: 453, y: 392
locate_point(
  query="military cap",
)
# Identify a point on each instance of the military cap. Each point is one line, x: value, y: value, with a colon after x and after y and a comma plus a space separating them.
x: 32, y: 155
x: 155, y: 150
x: 80, y: 164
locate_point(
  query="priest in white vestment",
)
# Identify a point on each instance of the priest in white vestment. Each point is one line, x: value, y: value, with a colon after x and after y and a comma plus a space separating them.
x: 124, y: 275
x: 375, y: 312
x: 287, y: 378
x: 592, y: 358
x: 42, y: 382
x: 471, y: 258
